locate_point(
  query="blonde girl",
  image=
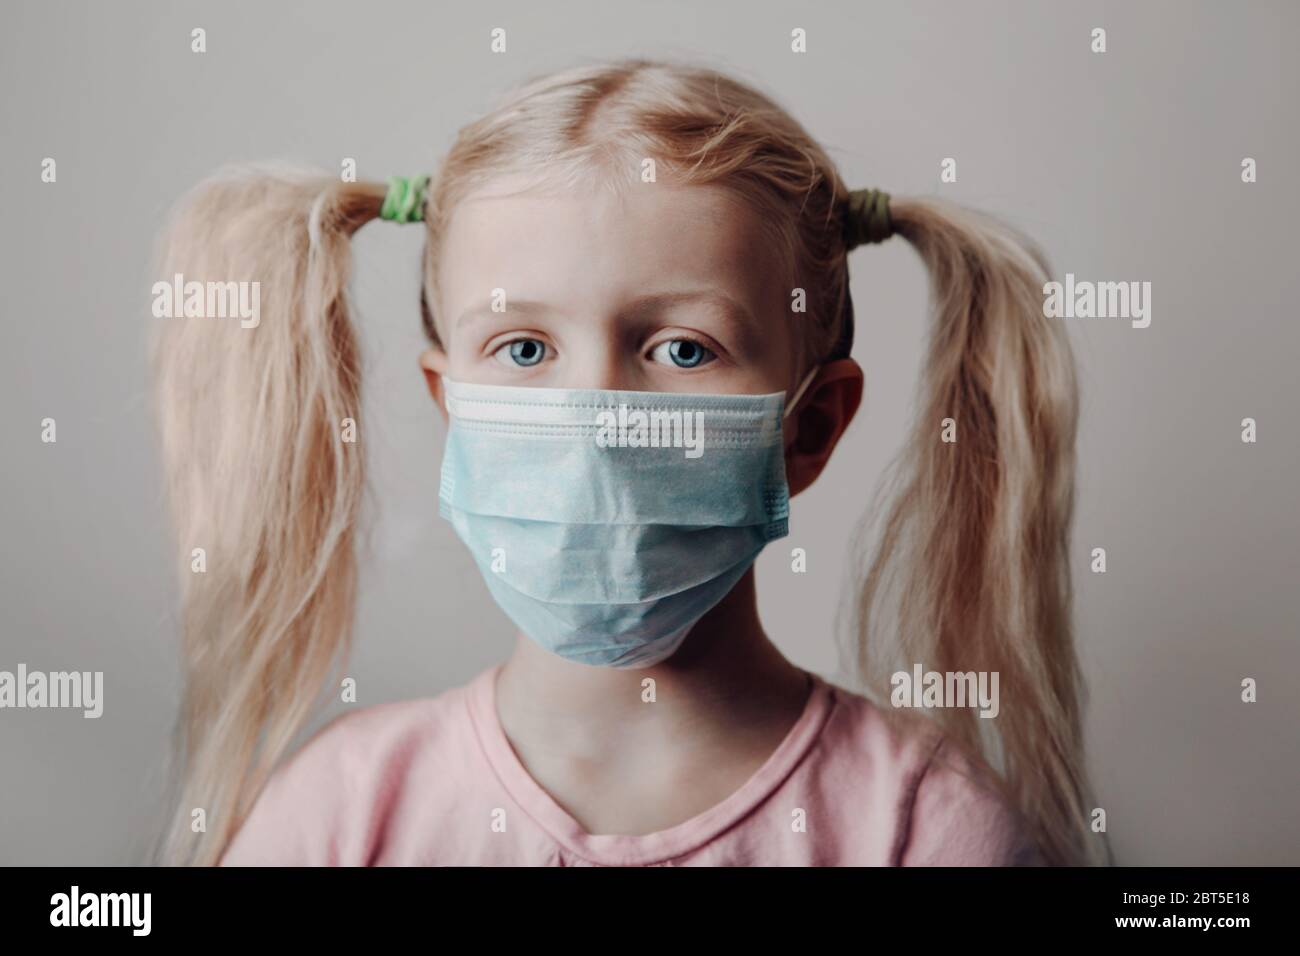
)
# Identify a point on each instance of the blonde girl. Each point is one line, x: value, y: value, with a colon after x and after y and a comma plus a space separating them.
x: 634, y: 233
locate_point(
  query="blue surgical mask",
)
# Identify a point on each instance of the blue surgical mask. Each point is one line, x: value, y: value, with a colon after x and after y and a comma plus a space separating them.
x: 606, y: 523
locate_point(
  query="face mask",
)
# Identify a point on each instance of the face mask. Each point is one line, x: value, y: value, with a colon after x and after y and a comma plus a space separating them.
x: 606, y: 523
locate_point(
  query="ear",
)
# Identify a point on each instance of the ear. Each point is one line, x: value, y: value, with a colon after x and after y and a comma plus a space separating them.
x: 433, y: 362
x: 814, y: 427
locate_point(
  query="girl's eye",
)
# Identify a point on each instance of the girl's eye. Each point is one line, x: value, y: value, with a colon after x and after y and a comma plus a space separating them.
x: 521, y: 353
x: 684, y: 353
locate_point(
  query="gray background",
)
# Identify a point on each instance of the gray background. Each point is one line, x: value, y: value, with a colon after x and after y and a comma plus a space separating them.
x: 1124, y: 165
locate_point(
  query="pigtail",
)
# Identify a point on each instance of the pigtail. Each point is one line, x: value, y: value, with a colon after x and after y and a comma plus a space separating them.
x: 972, y: 569
x: 259, y: 478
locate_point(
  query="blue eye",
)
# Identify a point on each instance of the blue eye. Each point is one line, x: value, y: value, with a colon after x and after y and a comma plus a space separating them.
x: 521, y: 353
x: 684, y: 353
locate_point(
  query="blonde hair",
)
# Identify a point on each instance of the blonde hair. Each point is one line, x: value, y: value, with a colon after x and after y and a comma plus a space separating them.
x: 973, y: 567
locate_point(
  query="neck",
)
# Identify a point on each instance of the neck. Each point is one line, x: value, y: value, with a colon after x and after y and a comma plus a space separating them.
x: 726, y: 670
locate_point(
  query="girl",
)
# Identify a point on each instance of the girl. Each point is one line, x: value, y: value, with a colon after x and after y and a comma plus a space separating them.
x: 616, y: 245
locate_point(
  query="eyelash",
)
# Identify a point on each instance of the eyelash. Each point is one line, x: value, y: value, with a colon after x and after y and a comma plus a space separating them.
x: 694, y: 341
x: 501, y: 352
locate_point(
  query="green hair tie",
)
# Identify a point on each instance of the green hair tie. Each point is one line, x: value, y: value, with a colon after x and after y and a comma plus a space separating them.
x: 867, y: 218
x: 405, y: 199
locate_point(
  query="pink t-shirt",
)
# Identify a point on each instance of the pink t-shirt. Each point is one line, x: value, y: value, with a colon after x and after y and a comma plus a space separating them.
x: 435, y: 782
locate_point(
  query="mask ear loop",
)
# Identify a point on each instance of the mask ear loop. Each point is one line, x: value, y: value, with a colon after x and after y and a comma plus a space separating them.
x: 798, y: 392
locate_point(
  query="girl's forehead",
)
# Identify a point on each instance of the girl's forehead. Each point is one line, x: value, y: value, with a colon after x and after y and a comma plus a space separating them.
x: 568, y: 243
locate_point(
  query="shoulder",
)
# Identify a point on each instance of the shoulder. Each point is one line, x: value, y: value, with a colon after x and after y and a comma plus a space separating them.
x: 884, y: 753
x: 945, y: 808
x: 325, y: 804
x: 959, y: 817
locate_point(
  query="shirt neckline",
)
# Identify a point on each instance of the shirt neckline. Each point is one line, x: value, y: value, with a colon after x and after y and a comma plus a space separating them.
x: 641, y: 849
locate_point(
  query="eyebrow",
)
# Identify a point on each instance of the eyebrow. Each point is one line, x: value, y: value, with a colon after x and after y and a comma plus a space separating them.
x: 521, y: 307
x: 641, y: 306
